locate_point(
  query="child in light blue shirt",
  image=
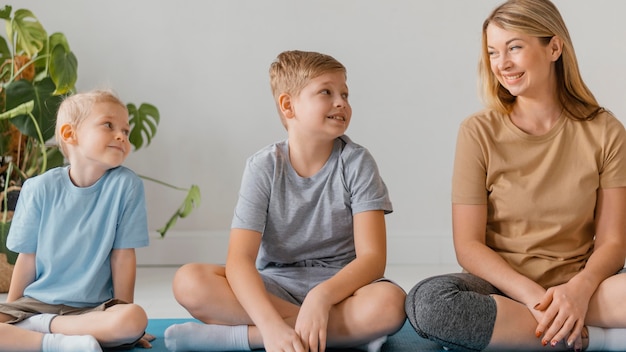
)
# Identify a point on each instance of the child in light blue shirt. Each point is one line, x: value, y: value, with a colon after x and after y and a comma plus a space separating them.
x: 76, y: 229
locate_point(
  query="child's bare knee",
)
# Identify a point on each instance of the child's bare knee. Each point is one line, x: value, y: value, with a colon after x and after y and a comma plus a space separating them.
x: 185, y: 281
x: 131, y: 321
x: 385, y: 311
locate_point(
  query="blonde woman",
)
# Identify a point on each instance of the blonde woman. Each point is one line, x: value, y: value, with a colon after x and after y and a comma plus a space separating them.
x: 538, y: 197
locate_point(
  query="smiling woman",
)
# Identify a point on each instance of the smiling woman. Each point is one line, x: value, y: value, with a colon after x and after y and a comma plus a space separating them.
x: 538, y: 197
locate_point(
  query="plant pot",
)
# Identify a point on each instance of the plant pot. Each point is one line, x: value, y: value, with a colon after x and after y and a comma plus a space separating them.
x: 12, y: 194
x: 6, y: 269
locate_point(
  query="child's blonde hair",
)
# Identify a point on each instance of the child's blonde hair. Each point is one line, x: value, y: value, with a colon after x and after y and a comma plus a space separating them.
x: 292, y: 70
x: 75, y: 108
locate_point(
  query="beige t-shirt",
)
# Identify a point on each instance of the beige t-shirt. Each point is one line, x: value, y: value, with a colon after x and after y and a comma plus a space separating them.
x: 540, y: 190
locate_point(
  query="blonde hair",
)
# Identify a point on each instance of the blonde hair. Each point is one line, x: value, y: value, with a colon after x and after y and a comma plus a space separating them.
x: 541, y: 19
x: 75, y: 108
x: 292, y: 70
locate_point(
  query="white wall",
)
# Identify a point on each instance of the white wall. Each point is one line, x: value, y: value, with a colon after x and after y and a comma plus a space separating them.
x: 411, y: 71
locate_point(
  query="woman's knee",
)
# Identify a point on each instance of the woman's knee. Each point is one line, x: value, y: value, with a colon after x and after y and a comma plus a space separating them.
x: 436, y: 300
x: 425, y: 302
x: 455, y: 310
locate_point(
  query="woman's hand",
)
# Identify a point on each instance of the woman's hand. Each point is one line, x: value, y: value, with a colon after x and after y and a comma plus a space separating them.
x: 563, y: 309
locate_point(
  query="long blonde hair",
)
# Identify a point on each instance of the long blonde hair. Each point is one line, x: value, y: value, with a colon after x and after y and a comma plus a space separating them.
x: 541, y: 19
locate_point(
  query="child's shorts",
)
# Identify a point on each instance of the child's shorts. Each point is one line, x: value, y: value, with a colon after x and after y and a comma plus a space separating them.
x: 293, y: 283
x: 25, y: 307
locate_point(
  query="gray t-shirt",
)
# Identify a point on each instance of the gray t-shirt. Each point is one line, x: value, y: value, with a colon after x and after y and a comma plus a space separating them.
x: 308, y: 218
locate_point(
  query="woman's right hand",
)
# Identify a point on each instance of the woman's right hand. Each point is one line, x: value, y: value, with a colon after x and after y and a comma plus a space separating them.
x: 561, y: 314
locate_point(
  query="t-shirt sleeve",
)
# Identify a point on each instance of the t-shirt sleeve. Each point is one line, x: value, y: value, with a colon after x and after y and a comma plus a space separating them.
x: 469, y: 175
x: 367, y: 188
x: 132, y: 227
x: 254, y: 194
x: 613, y: 168
x: 25, y: 224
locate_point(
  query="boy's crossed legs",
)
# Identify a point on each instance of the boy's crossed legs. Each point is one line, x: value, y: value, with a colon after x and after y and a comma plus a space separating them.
x: 367, y: 317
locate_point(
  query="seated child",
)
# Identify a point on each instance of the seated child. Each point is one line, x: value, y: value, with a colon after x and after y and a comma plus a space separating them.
x: 307, y: 253
x: 76, y: 229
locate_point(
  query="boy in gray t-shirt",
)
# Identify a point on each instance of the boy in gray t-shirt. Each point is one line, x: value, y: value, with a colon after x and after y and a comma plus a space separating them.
x: 307, y: 252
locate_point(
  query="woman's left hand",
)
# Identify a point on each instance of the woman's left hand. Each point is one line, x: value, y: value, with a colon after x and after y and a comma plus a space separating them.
x: 565, y: 307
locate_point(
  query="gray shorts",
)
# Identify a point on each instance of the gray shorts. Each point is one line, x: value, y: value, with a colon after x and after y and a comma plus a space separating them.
x: 25, y: 307
x: 293, y: 283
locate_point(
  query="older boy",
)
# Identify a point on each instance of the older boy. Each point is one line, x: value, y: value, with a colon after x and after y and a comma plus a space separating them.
x: 311, y: 214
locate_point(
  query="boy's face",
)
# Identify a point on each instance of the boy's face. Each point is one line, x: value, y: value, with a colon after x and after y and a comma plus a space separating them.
x: 102, y: 138
x: 322, y: 107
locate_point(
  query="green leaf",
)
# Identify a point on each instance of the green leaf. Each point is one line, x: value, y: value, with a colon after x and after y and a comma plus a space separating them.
x: 191, y: 201
x: 143, y: 124
x: 21, y: 109
x: 5, y: 52
x: 63, y: 69
x: 5, y: 13
x: 44, y: 111
x: 29, y: 34
x: 59, y: 38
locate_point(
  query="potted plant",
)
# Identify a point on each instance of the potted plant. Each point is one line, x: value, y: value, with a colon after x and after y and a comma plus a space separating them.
x: 37, y: 71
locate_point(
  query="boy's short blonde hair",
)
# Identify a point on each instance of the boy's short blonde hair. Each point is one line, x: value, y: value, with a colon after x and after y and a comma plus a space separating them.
x: 75, y: 108
x: 292, y: 70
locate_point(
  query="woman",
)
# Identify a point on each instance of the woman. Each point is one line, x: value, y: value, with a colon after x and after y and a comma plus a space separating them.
x: 539, y: 193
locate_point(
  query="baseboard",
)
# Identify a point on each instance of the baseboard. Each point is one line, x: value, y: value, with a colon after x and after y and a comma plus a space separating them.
x: 180, y: 247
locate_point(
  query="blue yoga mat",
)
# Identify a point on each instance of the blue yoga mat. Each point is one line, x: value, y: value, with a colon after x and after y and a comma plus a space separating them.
x: 405, y: 340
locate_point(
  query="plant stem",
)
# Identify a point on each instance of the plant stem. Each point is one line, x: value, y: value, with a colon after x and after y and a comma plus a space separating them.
x: 5, y: 198
x: 163, y: 183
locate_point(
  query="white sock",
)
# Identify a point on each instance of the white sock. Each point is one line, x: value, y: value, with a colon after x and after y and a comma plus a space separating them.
x: 39, y: 323
x: 603, y: 339
x: 374, y: 345
x: 67, y: 343
x: 206, y: 337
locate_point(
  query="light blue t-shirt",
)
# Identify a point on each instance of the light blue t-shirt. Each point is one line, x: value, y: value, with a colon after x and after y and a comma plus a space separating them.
x: 308, y: 218
x: 72, y: 231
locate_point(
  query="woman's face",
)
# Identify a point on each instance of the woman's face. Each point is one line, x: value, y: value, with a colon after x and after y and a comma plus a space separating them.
x: 523, y: 64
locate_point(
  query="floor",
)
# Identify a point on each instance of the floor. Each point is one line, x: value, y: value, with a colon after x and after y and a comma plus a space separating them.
x: 153, y: 289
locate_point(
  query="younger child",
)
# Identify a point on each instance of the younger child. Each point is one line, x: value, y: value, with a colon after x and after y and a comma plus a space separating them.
x: 307, y: 250
x: 76, y: 229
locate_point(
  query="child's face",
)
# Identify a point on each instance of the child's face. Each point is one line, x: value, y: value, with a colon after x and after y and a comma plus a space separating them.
x: 102, y: 138
x: 322, y: 107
